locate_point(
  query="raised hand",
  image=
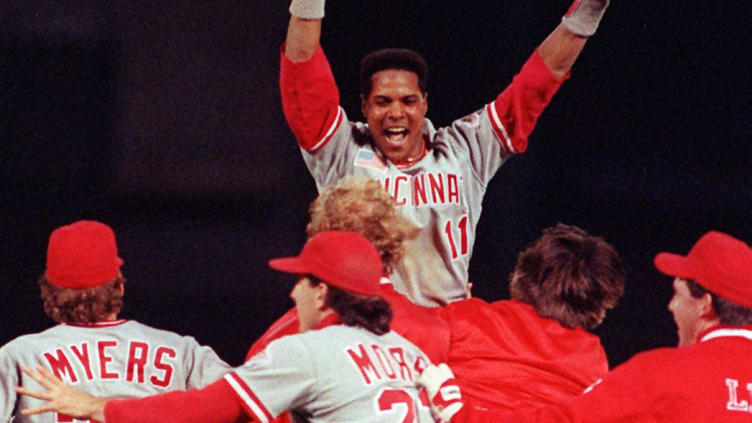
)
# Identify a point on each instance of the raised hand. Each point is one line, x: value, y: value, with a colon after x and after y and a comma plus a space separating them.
x: 63, y: 399
x: 584, y: 16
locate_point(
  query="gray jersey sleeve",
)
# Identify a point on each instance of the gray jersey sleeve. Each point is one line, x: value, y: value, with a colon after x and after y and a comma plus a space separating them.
x: 204, y: 367
x: 8, y: 381
x: 278, y: 379
x: 475, y: 139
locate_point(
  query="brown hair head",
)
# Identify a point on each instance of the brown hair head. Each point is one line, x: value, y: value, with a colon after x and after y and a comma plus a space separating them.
x: 82, y: 306
x: 570, y: 276
x: 369, y: 312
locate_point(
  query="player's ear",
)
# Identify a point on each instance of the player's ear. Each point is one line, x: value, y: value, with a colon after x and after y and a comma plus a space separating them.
x: 363, y: 105
x: 707, y: 311
x: 322, y: 290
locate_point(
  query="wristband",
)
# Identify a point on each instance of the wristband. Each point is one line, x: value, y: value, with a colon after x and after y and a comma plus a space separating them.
x: 584, y: 16
x: 307, y: 9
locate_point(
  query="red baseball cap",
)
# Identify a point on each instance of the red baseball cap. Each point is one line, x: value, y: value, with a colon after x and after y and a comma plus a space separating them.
x: 719, y: 262
x: 343, y: 259
x: 82, y: 255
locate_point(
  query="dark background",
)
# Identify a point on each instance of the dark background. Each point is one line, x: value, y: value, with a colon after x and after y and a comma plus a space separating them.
x: 163, y: 119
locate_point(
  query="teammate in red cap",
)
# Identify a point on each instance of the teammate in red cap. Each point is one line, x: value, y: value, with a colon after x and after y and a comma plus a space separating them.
x: 437, y: 176
x: 82, y: 290
x: 708, y: 378
x: 346, y: 365
x: 360, y: 204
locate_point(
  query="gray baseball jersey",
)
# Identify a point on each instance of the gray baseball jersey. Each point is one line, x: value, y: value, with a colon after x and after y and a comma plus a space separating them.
x: 443, y: 191
x: 115, y: 359
x: 335, y: 374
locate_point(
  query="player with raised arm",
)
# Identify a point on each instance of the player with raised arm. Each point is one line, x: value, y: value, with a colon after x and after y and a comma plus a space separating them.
x: 438, y: 176
x: 345, y: 365
x: 82, y: 290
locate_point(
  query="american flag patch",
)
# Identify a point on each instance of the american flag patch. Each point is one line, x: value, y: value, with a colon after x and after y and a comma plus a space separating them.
x: 368, y: 159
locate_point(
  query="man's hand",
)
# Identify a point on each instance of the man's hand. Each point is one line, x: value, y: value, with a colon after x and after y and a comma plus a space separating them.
x: 62, y: 398
x: 583, y: 16
x: 443, y: 392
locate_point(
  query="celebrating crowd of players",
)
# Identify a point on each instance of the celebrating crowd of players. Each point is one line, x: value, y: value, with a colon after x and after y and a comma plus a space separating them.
x: 381, y: 295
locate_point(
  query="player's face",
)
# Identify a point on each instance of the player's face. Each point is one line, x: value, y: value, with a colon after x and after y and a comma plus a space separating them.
x: 687, y: 311
x: 395, y: 110
x: 307, y: 303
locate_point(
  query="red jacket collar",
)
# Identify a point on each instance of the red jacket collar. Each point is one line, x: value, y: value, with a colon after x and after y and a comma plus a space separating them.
x: 724, y: 331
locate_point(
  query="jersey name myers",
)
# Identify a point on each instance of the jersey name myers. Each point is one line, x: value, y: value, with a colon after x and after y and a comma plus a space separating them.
x: 145, y: 363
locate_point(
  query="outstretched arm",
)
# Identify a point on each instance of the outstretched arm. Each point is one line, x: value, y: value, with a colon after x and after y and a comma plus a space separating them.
x: 304, y: 29
x: 561, y: 48
x: 214, y: 403
x: 310, y: 99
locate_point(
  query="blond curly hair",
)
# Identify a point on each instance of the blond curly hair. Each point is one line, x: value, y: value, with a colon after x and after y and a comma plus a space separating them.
x: 360, y: 204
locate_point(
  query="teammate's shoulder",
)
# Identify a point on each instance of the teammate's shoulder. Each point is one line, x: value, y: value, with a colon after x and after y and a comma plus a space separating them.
x: 157, y: 333
x: 22, y: 342
x: 467, y: 304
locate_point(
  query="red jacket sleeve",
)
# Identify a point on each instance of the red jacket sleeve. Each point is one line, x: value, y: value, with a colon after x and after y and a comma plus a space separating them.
x: 516, y: 109
x: 310, y: 99
x: 215, y: 403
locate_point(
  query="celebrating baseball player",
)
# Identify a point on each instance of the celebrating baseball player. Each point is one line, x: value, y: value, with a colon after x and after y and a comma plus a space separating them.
x: 82, y: 290
x: 360, y: 204
x: 346, y: 365
x: 708, y: 378
x: 534, y: 349
x: 437, y: 176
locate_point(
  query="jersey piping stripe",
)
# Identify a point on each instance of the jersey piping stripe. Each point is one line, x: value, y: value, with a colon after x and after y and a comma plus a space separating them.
x: 248, y: 397
x: 330, y: 132
x: 499, y: 128
x: 103, y: 324
x: 740, y: 333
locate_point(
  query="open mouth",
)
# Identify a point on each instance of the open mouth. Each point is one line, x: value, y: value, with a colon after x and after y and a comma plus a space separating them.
x: 396, y: 136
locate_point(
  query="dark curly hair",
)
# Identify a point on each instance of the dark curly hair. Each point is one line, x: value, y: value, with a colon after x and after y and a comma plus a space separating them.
x: 392, y: 58
x: 570, y: 276
x: 82, y: 306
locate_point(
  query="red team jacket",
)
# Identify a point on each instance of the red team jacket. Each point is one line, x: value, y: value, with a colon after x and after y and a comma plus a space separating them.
x: 710, y: 381
x: 505, y: 356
